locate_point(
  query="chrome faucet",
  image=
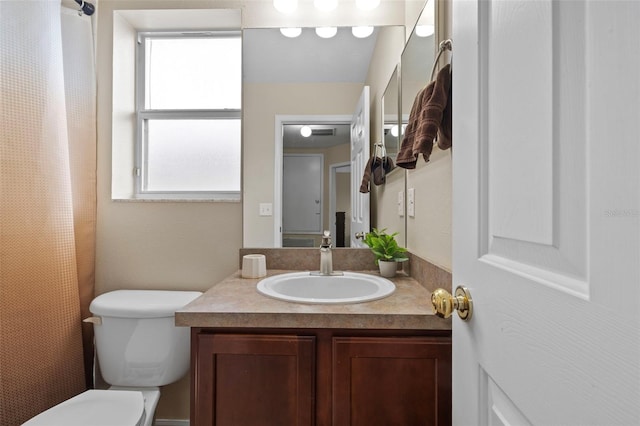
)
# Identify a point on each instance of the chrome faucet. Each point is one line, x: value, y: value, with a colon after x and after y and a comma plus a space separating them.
x: 326, y: 257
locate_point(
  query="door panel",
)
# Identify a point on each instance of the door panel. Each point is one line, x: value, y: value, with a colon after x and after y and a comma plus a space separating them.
x: 302, y: 178
x: 547, y: 212
x: 359, y: 158
x: 535, y: 195
x: 391, y: 381
x: 254, y: 379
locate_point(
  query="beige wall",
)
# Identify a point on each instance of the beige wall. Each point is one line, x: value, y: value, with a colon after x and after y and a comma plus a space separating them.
x: 191, y: 246
x: 155, y: 245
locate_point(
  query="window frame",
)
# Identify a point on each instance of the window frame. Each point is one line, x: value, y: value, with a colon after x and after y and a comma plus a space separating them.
x: 143, y: 115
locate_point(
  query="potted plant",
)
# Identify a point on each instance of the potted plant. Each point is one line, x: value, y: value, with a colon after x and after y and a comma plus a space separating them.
x: 386, y: 250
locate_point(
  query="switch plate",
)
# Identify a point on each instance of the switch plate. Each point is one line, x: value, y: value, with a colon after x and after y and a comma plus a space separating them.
x: 266, y: 209
x: 401, y: 203
x: 411, y: 202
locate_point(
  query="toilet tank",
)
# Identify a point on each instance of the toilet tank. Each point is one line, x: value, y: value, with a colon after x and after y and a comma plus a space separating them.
x: 137, y: 342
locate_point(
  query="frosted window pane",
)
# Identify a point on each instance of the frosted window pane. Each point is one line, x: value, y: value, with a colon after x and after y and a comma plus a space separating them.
x: 193, y: 73
x: 193, y: 155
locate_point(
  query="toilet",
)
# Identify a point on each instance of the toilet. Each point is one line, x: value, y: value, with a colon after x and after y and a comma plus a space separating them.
x: 139, y: 349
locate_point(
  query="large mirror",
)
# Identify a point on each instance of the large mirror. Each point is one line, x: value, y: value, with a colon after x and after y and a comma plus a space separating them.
x: 288, y: 78
x: 313, y: 83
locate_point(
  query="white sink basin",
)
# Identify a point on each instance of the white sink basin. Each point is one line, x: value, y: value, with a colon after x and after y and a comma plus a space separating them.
x: 302, y: 287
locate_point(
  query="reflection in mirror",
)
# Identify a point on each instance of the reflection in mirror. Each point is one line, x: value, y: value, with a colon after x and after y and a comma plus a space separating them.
x: 391, y: 129
x: 316, y: 182
x: 269, y: 56
x: 417, y: 59
x: 302, y: 76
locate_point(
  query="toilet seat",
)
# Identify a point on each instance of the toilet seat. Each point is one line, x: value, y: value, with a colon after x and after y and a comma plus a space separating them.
x: 96, y: 408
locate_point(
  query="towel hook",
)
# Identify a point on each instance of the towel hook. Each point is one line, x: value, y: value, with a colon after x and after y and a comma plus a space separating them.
x: 444, y: 45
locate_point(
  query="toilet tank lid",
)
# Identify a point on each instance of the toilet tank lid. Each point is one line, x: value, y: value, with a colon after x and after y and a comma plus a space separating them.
x: 141, y: 303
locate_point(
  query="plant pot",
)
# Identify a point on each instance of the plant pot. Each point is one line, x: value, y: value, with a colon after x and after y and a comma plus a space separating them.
x: 388, y: 268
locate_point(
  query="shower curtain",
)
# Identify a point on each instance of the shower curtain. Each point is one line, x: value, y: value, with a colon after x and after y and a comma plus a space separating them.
x: 47, y: 204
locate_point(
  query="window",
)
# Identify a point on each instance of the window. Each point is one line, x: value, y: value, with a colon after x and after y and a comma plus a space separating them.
x: 188, y: 102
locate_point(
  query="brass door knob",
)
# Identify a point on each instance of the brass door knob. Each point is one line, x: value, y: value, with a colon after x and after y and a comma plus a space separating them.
x: 444, y: 303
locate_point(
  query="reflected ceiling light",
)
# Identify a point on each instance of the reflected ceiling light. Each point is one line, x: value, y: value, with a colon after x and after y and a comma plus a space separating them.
x: 291, y: 32
x: 362, y: 32
x: 425, y: 30
x: 285, y: 6
x: 367, y: 4
x: 326, y: 32
x: 394, y: 130
x: 325, y: 5
x: 305, y: 131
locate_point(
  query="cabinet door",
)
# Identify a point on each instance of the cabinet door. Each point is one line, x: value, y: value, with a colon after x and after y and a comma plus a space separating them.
x: 249, y: 380
x: 391, y: 381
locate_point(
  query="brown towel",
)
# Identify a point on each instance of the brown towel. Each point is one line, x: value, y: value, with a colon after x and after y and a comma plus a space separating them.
x: 445, y: 130
x: 426, y: 121
x: 378, y: 167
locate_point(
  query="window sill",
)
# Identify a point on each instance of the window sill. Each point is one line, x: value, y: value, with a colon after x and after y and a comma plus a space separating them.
x: 176, y: 200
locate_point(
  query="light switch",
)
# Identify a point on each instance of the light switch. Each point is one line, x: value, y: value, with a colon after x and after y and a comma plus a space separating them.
x: 266, y: 209
x: 411, y: 202
x: 401, y: 203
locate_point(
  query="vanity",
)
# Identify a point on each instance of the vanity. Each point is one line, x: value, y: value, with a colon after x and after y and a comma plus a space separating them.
x: 384, y: 362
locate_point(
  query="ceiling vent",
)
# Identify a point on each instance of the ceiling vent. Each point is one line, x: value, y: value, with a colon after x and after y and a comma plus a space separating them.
x: 323, y: 132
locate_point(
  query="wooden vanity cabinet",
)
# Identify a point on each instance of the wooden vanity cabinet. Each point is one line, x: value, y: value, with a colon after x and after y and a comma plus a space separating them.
x: 325, y: 377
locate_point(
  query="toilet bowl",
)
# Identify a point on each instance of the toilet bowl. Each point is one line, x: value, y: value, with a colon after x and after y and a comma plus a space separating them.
x: 139, y: 349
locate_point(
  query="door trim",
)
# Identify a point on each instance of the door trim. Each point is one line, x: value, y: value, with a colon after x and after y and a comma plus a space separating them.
x: 281, y: 120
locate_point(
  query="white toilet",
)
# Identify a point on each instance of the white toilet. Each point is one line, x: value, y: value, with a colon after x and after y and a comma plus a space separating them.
x: 139, y: 349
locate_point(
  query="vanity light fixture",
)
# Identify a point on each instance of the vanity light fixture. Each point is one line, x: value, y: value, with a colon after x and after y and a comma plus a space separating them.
x: 326, y: 32
x: 291, y: 32
x: 305, y: 131
x: 425, y: 30
x: 361, y: 32
x: 285, y: 6
x: 325, y: 5
x: 367, y: 4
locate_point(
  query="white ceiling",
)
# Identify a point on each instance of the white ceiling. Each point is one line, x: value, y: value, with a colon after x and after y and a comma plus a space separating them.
x: 270, y: 57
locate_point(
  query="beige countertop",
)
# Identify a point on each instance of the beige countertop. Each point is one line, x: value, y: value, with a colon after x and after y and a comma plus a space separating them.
x: 235, y: 302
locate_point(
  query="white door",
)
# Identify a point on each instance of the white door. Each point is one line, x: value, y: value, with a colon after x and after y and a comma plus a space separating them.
x: 302, y: 177
x: 546, y: 202
x: 359, y: 157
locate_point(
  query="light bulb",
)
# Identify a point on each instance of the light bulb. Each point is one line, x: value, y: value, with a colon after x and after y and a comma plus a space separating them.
x: 425, y: 30
x: 325, y: 5
x: 285, y: 6
x: 394, y: 130
x: 291, y: 32
x: 305, y: 131
x: 367, y: 4
x: 326, y: 32
x: 362, y: 32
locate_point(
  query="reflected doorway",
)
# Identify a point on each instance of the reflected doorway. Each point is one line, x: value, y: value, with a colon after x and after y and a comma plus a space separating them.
x: 329, y: 138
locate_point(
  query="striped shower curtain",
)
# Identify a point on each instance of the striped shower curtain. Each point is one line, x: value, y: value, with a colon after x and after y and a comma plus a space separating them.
x: 47, y: 204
